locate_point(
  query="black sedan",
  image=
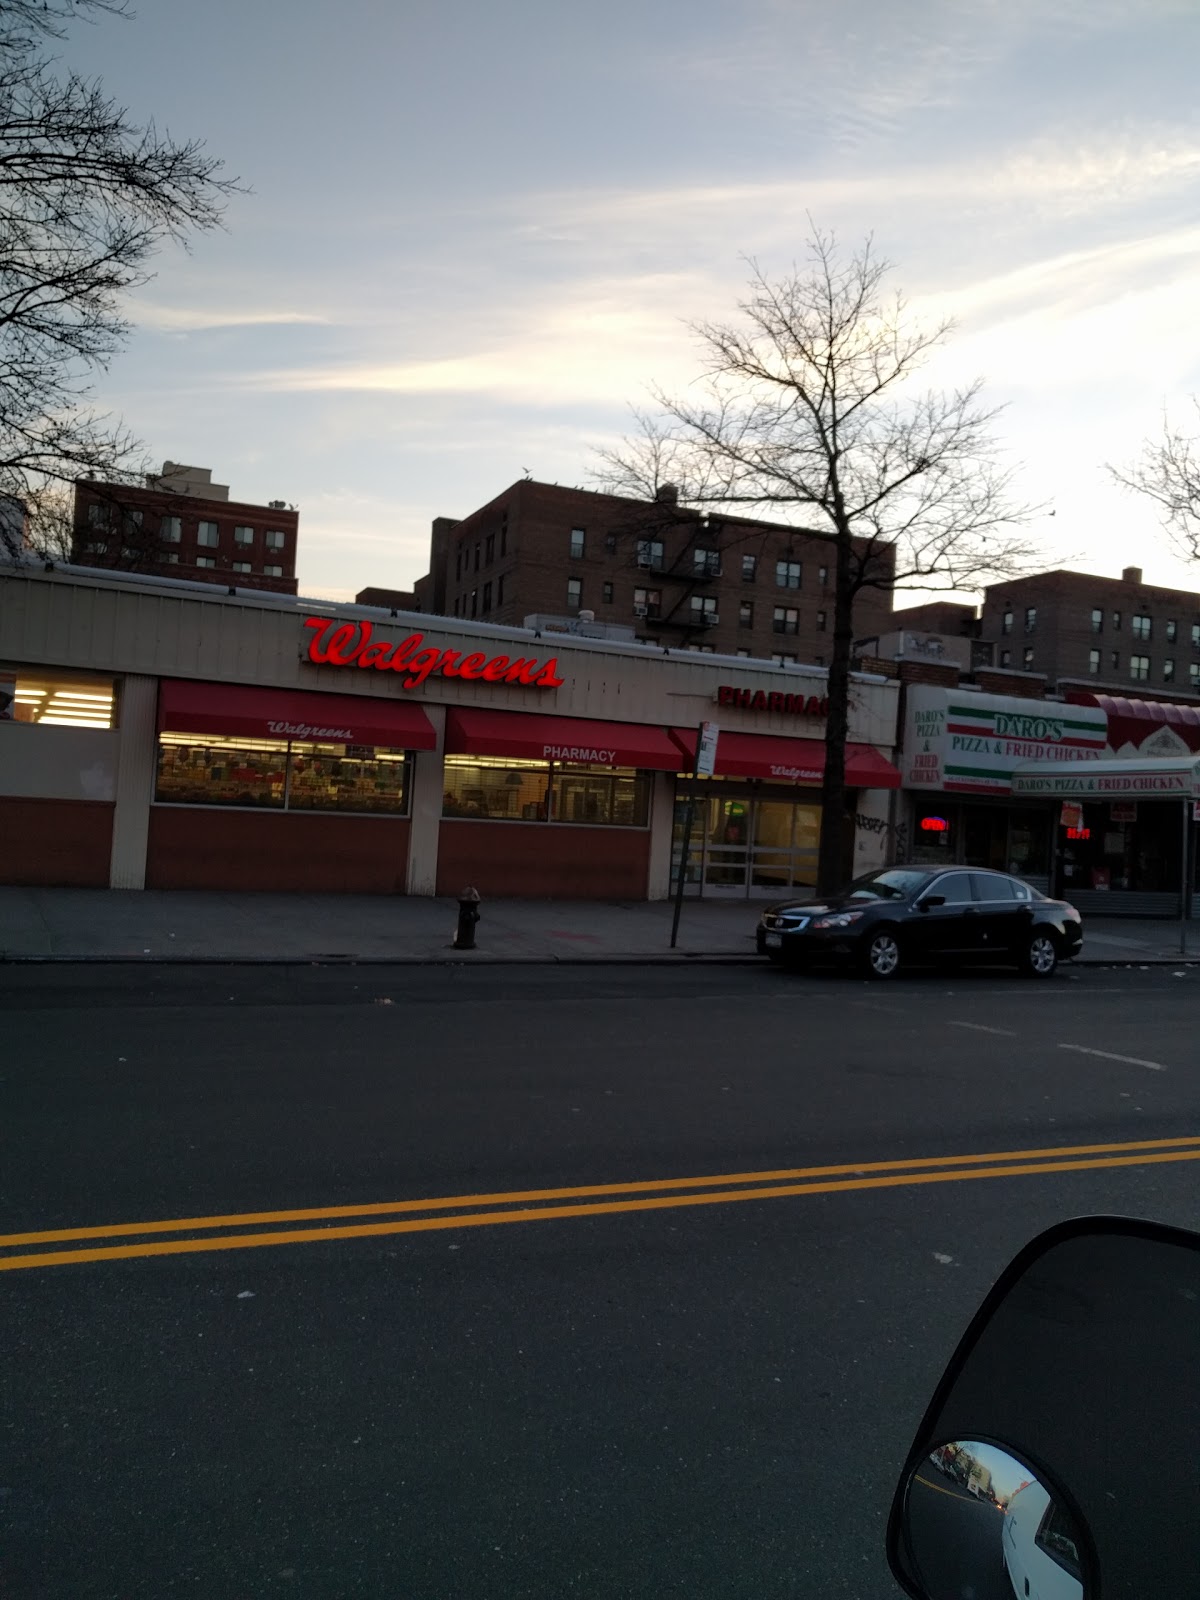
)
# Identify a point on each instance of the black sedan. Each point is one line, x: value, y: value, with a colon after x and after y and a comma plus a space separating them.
x: 905, y: 916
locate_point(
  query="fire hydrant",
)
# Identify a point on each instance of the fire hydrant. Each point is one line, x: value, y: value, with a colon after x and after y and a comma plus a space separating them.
x: 468, y: 916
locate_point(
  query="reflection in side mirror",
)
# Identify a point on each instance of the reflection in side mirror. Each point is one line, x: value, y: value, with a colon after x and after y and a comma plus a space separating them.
x: 931, y: 900
x: 979, y: 1522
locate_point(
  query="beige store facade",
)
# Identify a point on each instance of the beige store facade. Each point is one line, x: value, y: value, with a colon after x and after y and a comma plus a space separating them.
x: 156, y: 734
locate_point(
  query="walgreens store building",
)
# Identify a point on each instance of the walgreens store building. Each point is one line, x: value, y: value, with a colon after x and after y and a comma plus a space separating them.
x: 156, y: 734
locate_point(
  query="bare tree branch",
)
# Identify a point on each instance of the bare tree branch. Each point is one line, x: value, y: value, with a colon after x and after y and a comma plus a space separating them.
x: 1168, y: 472
x: 806, y: 408
x: 87, y: 196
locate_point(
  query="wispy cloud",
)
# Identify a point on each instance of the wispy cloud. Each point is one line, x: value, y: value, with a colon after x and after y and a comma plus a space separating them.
x: 202, y: 319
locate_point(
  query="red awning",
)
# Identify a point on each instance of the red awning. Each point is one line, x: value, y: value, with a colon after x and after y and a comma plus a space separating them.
x: 764, y: 755
x: 544, y: 738
x: 253, y: 713
x: 1132, y: 721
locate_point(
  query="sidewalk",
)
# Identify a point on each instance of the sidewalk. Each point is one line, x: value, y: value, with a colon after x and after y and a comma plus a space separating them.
x: 195, y: 925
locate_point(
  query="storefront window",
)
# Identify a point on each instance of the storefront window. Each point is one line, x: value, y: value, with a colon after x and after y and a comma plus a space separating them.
x: 332, y: 777
x: 275, y: 775
x: 544, y: 791
x: 57, y: 699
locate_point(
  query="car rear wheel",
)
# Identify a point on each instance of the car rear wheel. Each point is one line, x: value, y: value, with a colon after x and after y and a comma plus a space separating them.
x: 1041, y: 955
x: 881, y: 954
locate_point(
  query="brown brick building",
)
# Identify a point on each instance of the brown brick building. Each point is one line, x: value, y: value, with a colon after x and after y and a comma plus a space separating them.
x: 1115, y: 634
x: 680, y: 577
x: 182, y: 525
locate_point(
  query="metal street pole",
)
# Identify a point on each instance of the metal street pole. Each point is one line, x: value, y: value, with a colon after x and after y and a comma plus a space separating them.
x: 1185, y: 876
x: 704, y: 762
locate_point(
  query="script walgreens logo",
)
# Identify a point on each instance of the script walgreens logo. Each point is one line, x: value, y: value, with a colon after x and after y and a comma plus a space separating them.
x: 350, y: 644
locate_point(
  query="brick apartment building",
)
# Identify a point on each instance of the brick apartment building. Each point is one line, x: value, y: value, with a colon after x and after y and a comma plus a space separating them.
x: 182, y: 525
x: 1118, y: 634
x: 679, y: 577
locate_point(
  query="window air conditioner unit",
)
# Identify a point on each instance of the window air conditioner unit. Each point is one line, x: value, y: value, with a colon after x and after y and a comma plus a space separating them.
x: 641, y: 611
x: 711, y: 619
x: 645, y: 562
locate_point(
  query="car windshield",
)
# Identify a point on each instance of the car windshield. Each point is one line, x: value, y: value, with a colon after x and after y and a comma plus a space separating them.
x: 896, y: 883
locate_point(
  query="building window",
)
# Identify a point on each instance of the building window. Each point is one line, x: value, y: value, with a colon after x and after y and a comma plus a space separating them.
x: 242, y: 566
x: 607, y: 592
x: 1194, y: 674
x: 787, y: 574
x: 1116, y: 661
x: 1172, y: 630
x: 650, y: 554
x: 577, y: 540
x: 274, y: 538
x: 171, y: 557
x: 170, y: 530
x: 706, y: 563
x: 504, y: 538
x: 1139, y: 668
x: 458, y: 565
x: 474, y: 602
x: 823, y: 576
x: 1116, y: 621
x: 97, y: 515
x: 1006, y: 621
x: 1027, y: 657
x: 1168, y: 671
x: 1196, y: 635
x: 1030, y: 618
x: 749, y: 568
x: 821, y: 618
x: 1141, y: 627
x: 1006, y: 658
x: 207, y: 535
x: 746, y: 614
x: 500, y: 590
x: 782, y: 660
x: 74, y: 702
x: 511, y: 790
x: 489, y: 549
x: 1097, y: 620
x: 96, y: 547
x: 278, y: 775
x: 206, y: 561
x: 574, y: 593
x: 478, y: 548
x: 273, y: 572
x: 1093, y: 661
x: 743, y: 651
x: 647, y: 602
x: 704, y: 610
x: 487, y: 597
x: 243, y: 536
x: 786, y: 619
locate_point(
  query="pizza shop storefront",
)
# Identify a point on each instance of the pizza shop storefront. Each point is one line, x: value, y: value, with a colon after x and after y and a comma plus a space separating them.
x: 156, y: 736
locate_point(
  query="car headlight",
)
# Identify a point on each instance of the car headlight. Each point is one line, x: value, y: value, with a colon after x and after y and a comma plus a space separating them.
x: 842, y: 919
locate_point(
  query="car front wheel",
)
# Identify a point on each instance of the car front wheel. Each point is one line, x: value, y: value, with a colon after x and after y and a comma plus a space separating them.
x: 881, y: 954
x: 1041, y: 956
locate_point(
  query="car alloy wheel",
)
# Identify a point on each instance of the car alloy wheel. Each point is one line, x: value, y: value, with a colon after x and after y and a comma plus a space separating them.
x: 883, y: 954
x: 1042, y: 957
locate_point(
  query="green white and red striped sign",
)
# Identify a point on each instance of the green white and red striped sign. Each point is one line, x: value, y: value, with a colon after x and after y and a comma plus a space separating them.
x: 972, y: 743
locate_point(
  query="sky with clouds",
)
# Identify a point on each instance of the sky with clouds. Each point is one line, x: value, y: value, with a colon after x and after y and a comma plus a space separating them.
x: 477, y: 232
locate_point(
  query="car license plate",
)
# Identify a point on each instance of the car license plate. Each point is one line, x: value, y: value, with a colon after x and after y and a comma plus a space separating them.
x: 773, y: 941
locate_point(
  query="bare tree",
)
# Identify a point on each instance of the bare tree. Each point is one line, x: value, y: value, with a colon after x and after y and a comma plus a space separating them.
x: 1168, y: 472
x: 86, y: 198
x: 806, y: 407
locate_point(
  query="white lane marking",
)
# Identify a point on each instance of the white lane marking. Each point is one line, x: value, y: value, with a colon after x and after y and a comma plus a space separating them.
x: 1132, y: 1061
x: 979, y: 1027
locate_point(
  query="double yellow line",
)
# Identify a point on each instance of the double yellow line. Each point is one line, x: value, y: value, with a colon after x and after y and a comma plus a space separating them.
x: 189, y: 1235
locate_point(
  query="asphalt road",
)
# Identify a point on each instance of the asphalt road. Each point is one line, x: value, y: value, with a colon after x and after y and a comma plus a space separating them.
x: 645, y: 1391
x: 956, y: 1540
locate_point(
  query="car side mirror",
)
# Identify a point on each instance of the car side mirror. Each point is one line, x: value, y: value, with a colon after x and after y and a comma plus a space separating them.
x: 931, y: 900
x: 1058, y: 1454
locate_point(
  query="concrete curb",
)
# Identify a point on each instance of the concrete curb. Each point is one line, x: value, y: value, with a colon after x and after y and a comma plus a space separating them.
x: 477, y: 958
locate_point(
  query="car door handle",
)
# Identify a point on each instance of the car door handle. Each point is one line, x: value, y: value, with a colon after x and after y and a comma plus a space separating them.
x: 970, y: 911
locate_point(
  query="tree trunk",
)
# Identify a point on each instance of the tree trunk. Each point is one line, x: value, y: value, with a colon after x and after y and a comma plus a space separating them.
x: 831, y: 860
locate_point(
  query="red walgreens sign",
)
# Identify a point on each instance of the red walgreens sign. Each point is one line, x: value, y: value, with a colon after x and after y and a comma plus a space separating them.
x: 350, y: 644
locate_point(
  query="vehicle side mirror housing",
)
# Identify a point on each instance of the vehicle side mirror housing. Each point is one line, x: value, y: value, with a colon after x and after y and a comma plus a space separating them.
x: 932, y: 900
x: 1059, y: 1454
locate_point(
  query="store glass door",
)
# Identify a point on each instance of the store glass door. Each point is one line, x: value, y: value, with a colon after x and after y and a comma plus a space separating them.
x: 749, y: 847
